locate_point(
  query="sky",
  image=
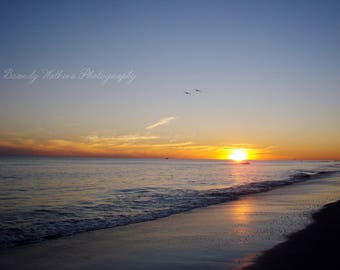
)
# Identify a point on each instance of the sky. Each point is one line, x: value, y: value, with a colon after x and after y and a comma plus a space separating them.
x: 108, y: 78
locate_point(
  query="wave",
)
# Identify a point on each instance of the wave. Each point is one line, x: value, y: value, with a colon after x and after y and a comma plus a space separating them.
x: 133, y: 206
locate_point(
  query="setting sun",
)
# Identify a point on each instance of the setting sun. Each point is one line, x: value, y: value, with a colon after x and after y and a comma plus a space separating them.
x: 238, y: 155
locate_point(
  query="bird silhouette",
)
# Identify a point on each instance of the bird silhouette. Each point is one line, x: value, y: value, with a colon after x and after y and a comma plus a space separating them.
x: 193, y: 91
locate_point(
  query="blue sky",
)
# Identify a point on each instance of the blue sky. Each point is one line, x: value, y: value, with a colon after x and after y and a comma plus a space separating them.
x: 269, y: 71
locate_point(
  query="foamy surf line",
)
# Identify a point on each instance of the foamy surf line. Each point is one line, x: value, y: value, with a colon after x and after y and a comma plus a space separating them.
x: 167, y: 203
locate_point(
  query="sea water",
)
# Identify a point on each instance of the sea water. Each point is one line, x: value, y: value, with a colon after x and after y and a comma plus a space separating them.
x: 45, y: 198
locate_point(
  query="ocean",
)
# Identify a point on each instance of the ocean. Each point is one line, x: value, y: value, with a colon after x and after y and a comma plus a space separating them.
x: 46, y: 198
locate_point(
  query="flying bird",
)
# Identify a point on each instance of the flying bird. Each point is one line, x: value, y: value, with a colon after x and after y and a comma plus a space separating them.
x: 193, y: 91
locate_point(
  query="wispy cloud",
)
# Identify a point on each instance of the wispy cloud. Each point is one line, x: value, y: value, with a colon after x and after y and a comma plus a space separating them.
x: 125, y: 138
x: 161, y: 122
x: 119, y: 146
x: 128, y: 145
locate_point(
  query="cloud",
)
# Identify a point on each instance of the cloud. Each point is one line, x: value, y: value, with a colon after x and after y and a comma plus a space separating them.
x: 128, y: 145
x: 125, y: 138
x: 161, y: 122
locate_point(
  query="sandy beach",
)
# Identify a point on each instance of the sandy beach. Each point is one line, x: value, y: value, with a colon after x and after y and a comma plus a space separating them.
x: 315, y: 247
x: 223, y: 236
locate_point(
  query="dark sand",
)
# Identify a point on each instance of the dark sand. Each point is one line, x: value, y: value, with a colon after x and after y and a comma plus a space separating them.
x: 315, y: 247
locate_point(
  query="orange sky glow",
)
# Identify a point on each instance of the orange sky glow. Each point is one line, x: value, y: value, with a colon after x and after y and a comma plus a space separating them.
x: 152, y: 147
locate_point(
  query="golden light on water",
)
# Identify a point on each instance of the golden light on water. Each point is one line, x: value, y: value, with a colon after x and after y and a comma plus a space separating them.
x: 241, y: 212
x: 238, y: 155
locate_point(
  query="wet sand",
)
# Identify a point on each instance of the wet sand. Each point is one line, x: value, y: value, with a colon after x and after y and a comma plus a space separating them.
x: 217, y: 237
x: 315, y: 247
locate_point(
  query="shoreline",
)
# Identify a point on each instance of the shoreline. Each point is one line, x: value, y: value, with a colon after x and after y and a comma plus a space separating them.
x: 215, y: 197
x: 214, y: 237
x: 314, y: 247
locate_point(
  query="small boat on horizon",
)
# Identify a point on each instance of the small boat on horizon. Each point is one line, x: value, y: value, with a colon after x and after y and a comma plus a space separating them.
x: 244, y: 162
